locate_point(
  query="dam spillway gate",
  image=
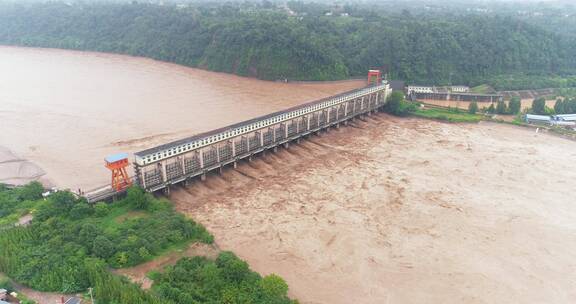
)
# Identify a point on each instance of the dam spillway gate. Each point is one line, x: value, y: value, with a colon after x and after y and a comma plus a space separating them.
x: 176, y: 162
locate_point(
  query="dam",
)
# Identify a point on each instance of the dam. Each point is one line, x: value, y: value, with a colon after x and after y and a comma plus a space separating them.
x: 158, y: 168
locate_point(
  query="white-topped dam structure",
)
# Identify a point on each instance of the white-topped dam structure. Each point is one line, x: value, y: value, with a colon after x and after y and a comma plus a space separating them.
x: 180, y: 161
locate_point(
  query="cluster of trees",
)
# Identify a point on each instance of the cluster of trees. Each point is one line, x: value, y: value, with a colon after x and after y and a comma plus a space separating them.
x: 529, y: 82
x: 397, y: 105
x: 50, y: 253
x: 269, y: 42
x: 513, y: 107
x: 226, y: 280
x: 566, y: 106
x: 16, y: 202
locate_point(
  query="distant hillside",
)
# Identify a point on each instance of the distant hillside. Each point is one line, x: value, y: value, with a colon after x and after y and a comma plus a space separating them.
x: 269, y: 42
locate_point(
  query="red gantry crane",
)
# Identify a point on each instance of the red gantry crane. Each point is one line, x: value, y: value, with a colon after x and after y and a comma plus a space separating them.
x: 117, y: 163
x: 374, y: 74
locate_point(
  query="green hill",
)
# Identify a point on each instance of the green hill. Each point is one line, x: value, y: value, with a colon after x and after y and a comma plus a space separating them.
x: 269, y: 42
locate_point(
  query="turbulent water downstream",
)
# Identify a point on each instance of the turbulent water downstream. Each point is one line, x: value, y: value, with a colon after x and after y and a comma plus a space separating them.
x: 64, y: 111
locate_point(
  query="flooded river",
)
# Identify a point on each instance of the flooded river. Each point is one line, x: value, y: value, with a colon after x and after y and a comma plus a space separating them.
x: 386, y: 210
x: 62, y: 112
x: 402, y: 210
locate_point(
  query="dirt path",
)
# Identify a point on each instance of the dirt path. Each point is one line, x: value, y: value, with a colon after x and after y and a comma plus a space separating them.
x: 395, y: 210
x: 39, y: 296
x: 137, y: 274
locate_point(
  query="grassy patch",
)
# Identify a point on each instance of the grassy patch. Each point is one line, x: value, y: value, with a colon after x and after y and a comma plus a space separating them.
x: 449, y: 115
x: 482, y: 89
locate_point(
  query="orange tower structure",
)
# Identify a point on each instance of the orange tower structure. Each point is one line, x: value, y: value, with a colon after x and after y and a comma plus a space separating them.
x: 374, y: 74
x: 117, y: 163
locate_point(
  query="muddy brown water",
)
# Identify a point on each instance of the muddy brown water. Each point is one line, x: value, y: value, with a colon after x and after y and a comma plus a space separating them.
x: 391, y: 210
x: 386, y: 210
x: 62, y: 112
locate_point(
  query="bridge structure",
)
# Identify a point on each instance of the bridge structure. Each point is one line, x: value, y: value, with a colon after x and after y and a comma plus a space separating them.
x: 160, y: 167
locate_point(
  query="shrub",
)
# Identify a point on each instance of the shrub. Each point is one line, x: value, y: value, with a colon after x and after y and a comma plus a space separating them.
x: 101, y: 209
x: 137, y: 198
x: 539, y: 106
x: 32, y: 191
x: 103, y: 247
x: 491, y: 109
x: 81, y: 210
x: 473, y: 107
x: 501, y: 107
x: 515, y: 105
x: 396, y: 105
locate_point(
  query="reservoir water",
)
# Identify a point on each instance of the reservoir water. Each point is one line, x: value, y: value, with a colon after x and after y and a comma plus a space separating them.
x: 62, y: 112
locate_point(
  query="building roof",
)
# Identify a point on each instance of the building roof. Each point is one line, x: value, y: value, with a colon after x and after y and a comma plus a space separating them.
x: 73, y: 300
x: 116, y: 157
x: 397, y: 85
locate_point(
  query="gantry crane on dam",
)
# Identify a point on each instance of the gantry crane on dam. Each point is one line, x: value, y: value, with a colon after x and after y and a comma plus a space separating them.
x: 180, y: 161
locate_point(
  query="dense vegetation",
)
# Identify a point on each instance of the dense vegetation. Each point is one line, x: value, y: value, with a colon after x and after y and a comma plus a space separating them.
x: 299, y: 41
x: 397, y: 105
x: 17, y: 202
x: 50, y: 253
x: 70, y: 246
x: 226, y: 280
x: 566, y: 106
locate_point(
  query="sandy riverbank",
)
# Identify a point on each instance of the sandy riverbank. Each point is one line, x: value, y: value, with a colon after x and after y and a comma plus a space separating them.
x: 404, y: 211
x: 18, y: 171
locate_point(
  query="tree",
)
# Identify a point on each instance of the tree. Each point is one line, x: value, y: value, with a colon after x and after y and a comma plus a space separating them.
x: 233, y: 269
x: 32, y: 191
x: 274, y: 286
x: 515, y: 105
x: 101, y: 209
x: 539, y: 106
x: 103, y: 247
x: 491, y: 109
x: 559, y: 107
x: 80, y: 210
x: 396, y: 105
x: 473, y: 107
x: 137, y: 198
x: 63, y: 200
x: 501, y: 107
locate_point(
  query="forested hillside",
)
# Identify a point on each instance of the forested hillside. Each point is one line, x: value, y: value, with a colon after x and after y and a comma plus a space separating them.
x: 301, y: 41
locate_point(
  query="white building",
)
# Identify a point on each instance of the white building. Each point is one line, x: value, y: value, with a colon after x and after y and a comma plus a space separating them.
x: 460, y: 89
x: 420, y: 89
x: 434, y: 89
